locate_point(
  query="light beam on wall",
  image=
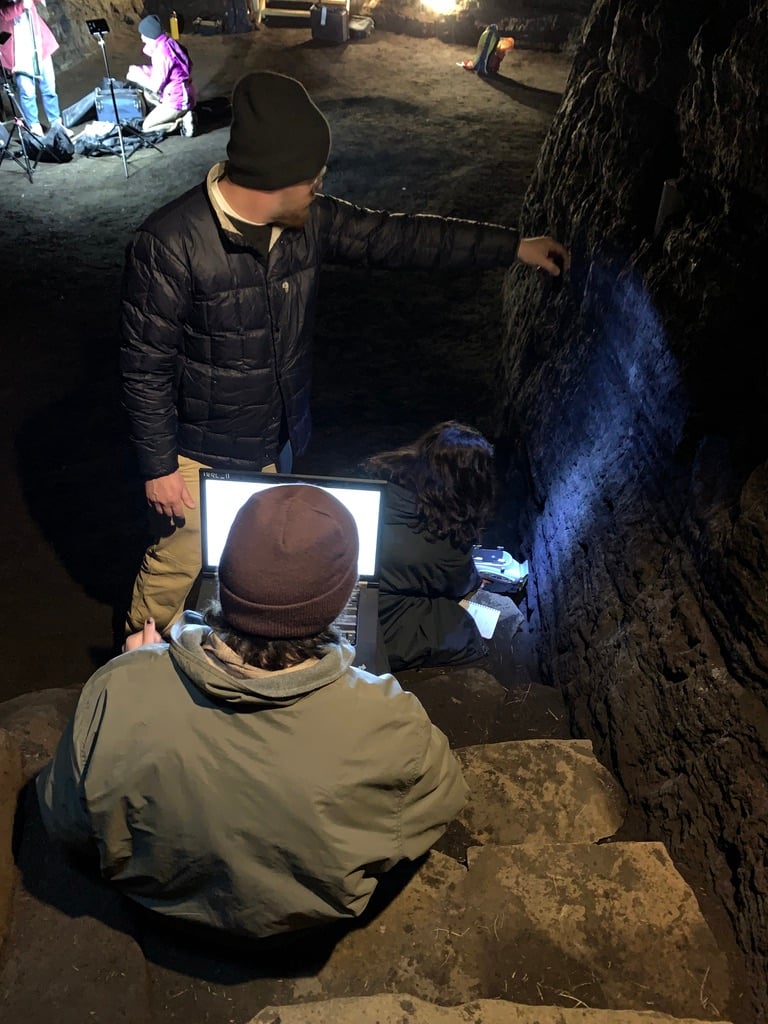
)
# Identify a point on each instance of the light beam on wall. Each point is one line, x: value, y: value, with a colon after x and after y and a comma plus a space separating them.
x: 627, y: 404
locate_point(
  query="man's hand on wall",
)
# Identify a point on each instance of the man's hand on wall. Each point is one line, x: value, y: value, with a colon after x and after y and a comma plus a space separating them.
x: 544, y: 252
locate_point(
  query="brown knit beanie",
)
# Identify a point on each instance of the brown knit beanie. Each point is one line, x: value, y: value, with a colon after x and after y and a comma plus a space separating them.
x: 278, y: 136
x: 289, y: 564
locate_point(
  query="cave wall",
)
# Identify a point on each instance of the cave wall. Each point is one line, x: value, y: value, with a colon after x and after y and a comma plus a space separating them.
x: 534, y: 24
x: 67, y: 20
x: 635, y: 406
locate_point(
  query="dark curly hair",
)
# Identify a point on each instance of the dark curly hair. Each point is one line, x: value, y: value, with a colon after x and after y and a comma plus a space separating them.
x: 265, y: 653
x: 451, y: 471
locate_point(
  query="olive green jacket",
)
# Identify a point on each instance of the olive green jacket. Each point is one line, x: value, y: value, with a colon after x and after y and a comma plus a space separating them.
x: 255, y: 805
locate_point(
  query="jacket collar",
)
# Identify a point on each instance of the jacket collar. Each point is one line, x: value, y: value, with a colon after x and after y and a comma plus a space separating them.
x: 265, y: 689
x: 224, y: 212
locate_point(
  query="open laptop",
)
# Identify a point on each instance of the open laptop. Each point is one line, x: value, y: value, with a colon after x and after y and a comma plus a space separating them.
x: 224, y: 492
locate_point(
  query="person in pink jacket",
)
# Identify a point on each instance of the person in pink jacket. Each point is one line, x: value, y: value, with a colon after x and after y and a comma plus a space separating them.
x: 167, y: 82
x: 27, y: 54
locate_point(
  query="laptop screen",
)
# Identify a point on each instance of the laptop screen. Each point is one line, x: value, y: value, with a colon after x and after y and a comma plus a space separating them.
x: 224, y: 492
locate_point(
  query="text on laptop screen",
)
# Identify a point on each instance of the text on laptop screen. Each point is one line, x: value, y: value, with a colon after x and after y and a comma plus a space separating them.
x: 223, y: 498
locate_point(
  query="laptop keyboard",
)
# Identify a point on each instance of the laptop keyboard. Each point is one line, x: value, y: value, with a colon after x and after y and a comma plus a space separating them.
x: 346, y: 621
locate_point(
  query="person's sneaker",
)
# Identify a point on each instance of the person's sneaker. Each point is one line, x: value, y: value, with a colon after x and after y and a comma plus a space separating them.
x: 37, y: 129
x: 188, y: 125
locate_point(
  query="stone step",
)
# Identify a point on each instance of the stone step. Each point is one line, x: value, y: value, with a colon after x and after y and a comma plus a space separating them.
x: 556, y: 928
x: 400, y: 1008
x: 610, y: 927
x: 538, y: 791
x: 470, y: 706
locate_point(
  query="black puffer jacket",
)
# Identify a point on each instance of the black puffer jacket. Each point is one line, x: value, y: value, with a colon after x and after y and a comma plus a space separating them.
x: 422, y: 580
x: 217, y: 346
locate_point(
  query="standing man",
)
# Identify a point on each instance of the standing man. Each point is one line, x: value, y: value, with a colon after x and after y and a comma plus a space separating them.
x: 290, y: 781
x: 167, y: 82
x: 219, y: 297
x: 27, y: 53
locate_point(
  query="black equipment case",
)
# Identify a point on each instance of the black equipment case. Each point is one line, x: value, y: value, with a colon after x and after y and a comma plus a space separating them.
x: 82, y: 110
x: 207, y: 25
x: 330, y: 22
x: 128, y: 98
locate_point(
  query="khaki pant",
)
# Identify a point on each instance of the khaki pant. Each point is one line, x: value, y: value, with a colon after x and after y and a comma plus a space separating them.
x: 172, y: 563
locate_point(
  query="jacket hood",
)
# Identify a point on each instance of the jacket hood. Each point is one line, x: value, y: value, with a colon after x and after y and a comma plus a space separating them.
x: 252, y: 687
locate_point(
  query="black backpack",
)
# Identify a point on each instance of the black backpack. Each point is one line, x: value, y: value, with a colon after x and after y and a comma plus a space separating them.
x: 55, y: 147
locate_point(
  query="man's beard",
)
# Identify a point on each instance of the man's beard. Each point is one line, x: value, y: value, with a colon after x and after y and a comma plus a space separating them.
x: 294, y: 214
x: 292, y: 218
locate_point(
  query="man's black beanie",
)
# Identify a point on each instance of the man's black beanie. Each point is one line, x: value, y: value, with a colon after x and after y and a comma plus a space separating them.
x: 278, y: 136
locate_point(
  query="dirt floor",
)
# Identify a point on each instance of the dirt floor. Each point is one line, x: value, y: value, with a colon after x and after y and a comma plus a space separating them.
x: 395, y: 352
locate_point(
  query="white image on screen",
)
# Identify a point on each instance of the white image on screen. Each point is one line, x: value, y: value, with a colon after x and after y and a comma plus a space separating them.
x: 224, y: 498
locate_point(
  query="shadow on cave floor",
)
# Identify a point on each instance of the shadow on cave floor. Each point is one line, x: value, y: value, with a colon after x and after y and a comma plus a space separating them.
x: 537, y: 99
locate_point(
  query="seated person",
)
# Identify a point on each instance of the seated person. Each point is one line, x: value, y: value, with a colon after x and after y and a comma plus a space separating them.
x: 440, y: 496
x: 167, y: 82
x: 245, y: 775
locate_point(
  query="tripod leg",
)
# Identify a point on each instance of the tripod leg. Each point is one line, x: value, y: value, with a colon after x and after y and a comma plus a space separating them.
x: 103, y: 48
x: 20, y: 158
x: 129, y: 130
x: 122, y: 142
x: 20, y: 126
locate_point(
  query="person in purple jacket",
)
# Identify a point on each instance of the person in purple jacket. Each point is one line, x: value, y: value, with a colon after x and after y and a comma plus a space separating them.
x: 167, y: 82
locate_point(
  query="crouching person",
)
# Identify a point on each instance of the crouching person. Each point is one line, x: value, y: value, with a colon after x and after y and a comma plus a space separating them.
x: 245, y: 775
x: 166, y: 82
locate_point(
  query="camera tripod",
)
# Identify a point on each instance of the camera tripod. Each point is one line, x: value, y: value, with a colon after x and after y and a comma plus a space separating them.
x: 21, y: 131
x: 99, y: 28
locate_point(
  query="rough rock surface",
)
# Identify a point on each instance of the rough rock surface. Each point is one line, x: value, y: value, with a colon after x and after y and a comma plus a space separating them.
x: 535, y: 24
x: 575, y: 802
x: 564, y: 925
x: 405, y: 1009
x: 644, y: 466
x: 34, y: 721
x: 556, y: 918
x: 10, y: 784
x: 67, y: 19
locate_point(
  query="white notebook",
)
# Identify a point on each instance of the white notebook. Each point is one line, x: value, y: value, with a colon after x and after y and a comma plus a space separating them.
x: 485, y: 617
